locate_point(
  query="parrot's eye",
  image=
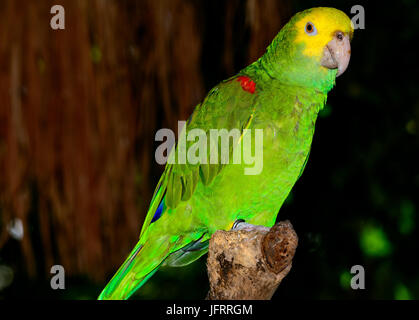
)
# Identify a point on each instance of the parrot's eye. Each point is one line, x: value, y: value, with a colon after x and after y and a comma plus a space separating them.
x: 311, y: 29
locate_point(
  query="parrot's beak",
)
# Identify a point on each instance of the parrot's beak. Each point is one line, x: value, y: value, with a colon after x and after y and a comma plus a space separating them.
x: 337, y: 53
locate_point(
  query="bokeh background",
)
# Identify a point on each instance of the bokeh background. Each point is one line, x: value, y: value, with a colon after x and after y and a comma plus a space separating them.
x: 79, y: 109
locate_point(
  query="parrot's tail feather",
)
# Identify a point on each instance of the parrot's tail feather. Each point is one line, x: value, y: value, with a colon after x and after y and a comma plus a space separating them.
x: 143, y: 261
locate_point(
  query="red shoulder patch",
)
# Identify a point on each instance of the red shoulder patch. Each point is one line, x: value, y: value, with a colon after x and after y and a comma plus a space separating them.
x: 247, y: 84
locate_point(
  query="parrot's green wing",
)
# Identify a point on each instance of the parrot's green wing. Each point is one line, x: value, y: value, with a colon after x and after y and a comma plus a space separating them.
x: 227, y: 106
x: 230, y: 105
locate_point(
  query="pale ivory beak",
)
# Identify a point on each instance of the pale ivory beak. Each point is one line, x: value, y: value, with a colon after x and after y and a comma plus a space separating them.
x: 337, y: 53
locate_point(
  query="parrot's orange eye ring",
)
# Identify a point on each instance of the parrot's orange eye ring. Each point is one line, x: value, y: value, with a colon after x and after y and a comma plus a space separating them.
x: 310, y: 29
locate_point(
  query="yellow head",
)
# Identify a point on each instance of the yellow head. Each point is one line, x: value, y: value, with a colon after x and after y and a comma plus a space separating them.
x: 326, y: 34
x: 311, y: 50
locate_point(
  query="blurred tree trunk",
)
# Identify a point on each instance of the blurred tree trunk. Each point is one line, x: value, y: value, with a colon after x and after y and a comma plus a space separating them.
x: 80, y: 107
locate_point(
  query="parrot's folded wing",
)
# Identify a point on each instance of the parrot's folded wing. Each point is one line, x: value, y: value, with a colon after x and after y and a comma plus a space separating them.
x: 227, y: 106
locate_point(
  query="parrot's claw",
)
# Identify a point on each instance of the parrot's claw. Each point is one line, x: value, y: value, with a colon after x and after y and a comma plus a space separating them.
x: 236, y: 223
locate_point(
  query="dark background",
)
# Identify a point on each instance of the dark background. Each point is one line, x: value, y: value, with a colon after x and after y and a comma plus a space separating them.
x: 80, y: 107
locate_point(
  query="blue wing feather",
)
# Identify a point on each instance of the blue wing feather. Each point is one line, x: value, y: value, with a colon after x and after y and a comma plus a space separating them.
x: 159, y: 212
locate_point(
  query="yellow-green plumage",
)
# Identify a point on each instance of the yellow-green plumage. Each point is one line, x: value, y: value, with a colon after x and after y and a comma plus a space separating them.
x: 193, y: 201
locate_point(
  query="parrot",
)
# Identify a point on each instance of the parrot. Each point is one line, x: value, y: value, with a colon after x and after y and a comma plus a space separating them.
x: 280, y: 94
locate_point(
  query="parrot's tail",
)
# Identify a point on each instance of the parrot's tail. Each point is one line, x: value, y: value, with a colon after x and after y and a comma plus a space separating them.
x: 140, y: 265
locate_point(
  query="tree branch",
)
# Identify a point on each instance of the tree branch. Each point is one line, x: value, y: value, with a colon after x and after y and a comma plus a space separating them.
x: 249, y: 262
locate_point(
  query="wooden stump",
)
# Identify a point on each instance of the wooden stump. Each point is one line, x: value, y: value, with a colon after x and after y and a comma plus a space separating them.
x: 249, y: 262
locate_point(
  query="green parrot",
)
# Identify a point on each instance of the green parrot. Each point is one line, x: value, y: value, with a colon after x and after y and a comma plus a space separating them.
x: 280, y: 94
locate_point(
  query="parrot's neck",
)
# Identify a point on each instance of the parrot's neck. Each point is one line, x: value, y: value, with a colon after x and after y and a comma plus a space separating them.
x: 274, y: 79
x: 288, y: 65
